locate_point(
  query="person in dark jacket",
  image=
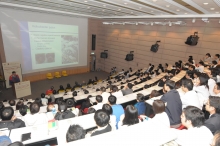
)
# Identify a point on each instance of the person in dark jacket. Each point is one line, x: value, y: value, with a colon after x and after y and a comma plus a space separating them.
x: 9, y: 120
x: 174, y: 103
x: 63, y: 113
x: 213, y: 107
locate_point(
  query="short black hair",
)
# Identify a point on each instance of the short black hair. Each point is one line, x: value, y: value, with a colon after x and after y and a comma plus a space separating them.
x: 170, y: 84
x: 208, y: 54
x: 17, y: 143
x: 98, y: 98
x: 195, y: 115
x: 203, y: 78
x: 34, y: 108
x: 107, y: 108
x: 103, y: 89
x: 75, y: 132
x: 19, y: 105
x: 192, y: 66
x: 214, y: 62
x: 130, y: 85
x: 140, y: 97
x: 218, y: 85
x: 23, y: 110
x: 114, y: 88
x: 7, y: 113
x: 158, y: 106
x: 187, y: 83
x: 131, y: 115
x: 214, y: 101
x: 112, y: 99
x: 62, y: 107
x: 101, y: 118
x: 217, y: 55
x: 13, y: 72
x: 11, y: 102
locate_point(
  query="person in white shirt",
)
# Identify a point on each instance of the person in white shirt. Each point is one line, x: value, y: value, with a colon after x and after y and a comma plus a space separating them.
x: 104, y: 95
x: 108, y: 109
x: 216, y: 89
x: 35, y: 118
x: 117, y: 93
x: 43, y: 99
x: 99, y: 103
x: 160, y: 114
x: 200, y: 67
x: 201, y: 87
x: 190, y: 97
x: 216, y: 57
x: 207, y: 58
x: 196, y: 134
x: 211, y: 82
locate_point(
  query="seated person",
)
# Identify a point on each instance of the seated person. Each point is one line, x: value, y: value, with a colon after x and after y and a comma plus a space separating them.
x: 127, y: 89
x: 61, y: 89
x: 196, y: 134
x: 63, y: 113
x: 23, y: 111
x: 160, y: 114
x: 189, y: 75
x: 11, y: 102
x: 99, y: 103
x: 35, y: 118
x: 200, y: 67
x: 216, y: 139
x: 174, y: 103
x: 51, y: 112
x: 39, y: 101
x: 102, y: 121
x: 75, y: 132
x: 117, y: 108
x: 213, y: 107
x: 216, y: 89
x: 129, y: 118
x: 108, y: 109
x: 140, y: 105
x: 86, y: 103
x: 9, y: 120
x: 68, y: 88
x: 50, y: 91
x: 190, y: 97
x: 71, y: 105
x: 19, y: 105
x: 44, y: 99
x: 116, y: 92
x: 162, y: 82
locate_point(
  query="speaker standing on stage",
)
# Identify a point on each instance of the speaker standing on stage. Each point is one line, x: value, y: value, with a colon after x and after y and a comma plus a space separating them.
x: 14, y: 78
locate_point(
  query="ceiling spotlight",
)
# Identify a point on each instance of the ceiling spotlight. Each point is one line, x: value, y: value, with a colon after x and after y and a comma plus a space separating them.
x: 205, y: 3
x: 185, y: 13
x: 136, y: 23
x: 85, y: 1
x: 167, y: 5
x: 125, y: 3
x: 177, y: 10
x: 212, y: 8
x: 170, y: 24
x: 119, y: 9
x: 154, y: 0
x: 216, y: 12
x: 151, y: 23
x: 205, y: 20
x: 194, y: 20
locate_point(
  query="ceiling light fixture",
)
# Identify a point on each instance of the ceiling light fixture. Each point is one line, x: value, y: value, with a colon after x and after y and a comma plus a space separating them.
x: 206, y: 20
x: 154, y: 0
x: 85, y: 1
x: 216, y: 12
x: 147, y: 23
x: 205, y: 3
x: 185, y: 13
x: 177, y: 10
x: 125, y: 3
x: 212, y: 8
x: 119, y: 9
x: 194, y: 20
x: 167, y: 5
x: 170, y: 24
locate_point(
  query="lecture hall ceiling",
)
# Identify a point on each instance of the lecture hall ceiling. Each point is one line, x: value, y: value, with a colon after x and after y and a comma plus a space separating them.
x: 121, y: 8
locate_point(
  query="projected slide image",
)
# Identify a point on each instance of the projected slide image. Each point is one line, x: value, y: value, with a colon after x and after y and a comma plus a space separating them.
x: 50, y: 45
x: 44, y: 58
x: 69, y: 49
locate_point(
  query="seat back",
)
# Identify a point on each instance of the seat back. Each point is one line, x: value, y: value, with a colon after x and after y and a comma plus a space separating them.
x: 49, y: 75
x: 63, y: 72
x: 57, y: 73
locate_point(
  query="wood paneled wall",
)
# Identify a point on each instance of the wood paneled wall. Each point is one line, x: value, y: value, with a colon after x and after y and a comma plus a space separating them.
x: 119, y: 40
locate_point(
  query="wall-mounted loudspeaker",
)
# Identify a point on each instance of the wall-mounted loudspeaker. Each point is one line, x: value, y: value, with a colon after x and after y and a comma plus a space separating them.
x: 155, y: 47
x: 130, y: 56
x: 93, y: 41
x: 104, y: 54
x: 192, y: 40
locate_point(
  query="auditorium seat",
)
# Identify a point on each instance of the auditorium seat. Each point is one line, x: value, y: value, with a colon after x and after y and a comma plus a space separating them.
x: 57, y: 74
x: 64, y: 73
x: 49, y: 76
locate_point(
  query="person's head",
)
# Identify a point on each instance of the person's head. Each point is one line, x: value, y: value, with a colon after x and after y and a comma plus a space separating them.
x: 154, y: 93
x: 216, y: 89
x: 214, y: 62
x: 7, y: 113
x: 17, y: 143
x: 62, y: 107
x: 107, y: 108
x: 114, y: 89
x: 187, y: 85
x: 75, y: 132
x: 50, y: 108
x: 19, y: 105
x: 13, y: 73
x: 23, y: 110
x: 207, y: 55
x: 38, y: 100
x: 42, y: 95
x: 217, y: 56
x: 165, y: 78
x: 201, y: 63
x: 158, y: 106
x: 213, y: 105
x: 140, y: 97
x: 189, y: 75
x: 191, y: 67
x: 216, y: 139
x: 68, y: 86
x: 91, y: 110
x: 129, y: 85
x: 52, y: 88
x: 61, y: 87
x: 101, y: 118
x: 98, y: 98
x: 169, y: 85
x: 192, y: 117
x: 196, y: 74
x: 112, y: 99
x: 11, y: 102
x: 103, y: 89
x: 203, y: 80
x: 131, y: 115
x: 34, y: 108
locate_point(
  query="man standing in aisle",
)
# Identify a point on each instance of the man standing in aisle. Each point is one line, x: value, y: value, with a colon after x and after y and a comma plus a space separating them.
x: 14, y: 78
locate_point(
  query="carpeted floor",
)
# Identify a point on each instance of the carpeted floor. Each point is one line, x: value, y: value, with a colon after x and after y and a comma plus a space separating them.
x: 41, y: 86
